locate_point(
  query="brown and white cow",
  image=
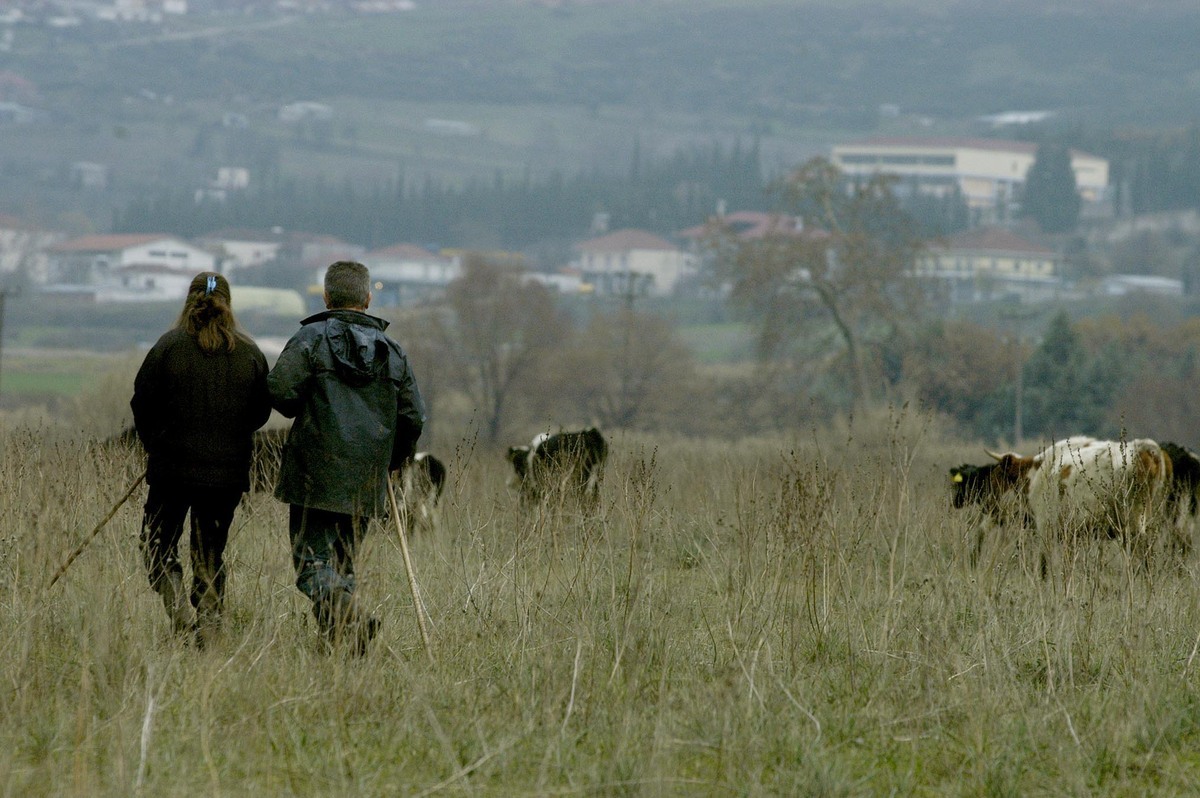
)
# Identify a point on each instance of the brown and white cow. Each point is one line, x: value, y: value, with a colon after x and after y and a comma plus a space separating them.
x: 999, y: 490
x: 1098, y: 488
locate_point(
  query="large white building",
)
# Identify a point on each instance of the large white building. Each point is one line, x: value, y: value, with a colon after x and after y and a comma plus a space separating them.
x: 989, y: 173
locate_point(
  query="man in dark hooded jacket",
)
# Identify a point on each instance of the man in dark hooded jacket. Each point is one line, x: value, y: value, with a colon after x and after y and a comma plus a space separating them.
x: 357, y: 414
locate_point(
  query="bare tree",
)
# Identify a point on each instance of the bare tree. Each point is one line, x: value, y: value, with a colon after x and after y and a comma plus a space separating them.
x: 847, y: 271
x: 627, y: 370
x: 498, y: 331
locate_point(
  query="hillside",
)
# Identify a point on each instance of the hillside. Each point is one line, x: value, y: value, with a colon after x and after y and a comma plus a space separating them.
x: 530, y: 87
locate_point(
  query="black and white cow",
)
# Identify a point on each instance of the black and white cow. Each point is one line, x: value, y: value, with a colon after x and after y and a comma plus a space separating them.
x: 564, y: 461
x: 422, y: 482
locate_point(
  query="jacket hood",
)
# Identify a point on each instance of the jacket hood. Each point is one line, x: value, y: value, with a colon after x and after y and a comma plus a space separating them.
x: 360, y: 350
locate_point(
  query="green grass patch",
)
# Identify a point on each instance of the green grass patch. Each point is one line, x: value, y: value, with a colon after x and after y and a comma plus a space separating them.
x: 52, y: 375
x: 719, y: 343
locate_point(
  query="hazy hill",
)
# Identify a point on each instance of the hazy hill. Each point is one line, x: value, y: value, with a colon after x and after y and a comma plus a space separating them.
x: 571, y: 86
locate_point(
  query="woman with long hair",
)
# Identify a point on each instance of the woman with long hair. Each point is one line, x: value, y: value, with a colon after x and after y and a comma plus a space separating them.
x: 198, y: 397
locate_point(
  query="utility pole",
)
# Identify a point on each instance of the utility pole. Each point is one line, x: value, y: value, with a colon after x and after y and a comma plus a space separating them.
x: 1018, y: 316
x: 3, y: 295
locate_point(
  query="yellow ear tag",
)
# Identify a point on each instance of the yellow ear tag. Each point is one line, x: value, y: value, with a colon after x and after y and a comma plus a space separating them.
x: 956, y: 478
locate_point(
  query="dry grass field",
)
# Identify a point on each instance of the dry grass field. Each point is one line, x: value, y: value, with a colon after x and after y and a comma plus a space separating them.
x: 768, y: 617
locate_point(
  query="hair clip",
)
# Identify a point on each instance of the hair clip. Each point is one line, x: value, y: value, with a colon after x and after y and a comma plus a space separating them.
x: 212, y: 284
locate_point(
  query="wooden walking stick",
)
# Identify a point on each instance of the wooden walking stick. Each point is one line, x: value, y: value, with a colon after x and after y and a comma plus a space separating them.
x: 79, y: 549
x: 412, y: 577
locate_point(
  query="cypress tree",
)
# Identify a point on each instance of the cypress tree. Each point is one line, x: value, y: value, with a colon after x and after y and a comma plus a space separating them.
x: 1051, y: 198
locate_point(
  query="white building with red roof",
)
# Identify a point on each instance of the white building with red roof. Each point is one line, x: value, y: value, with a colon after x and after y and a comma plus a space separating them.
x: 408, y: 274
x: 126, y: 267
x: 989, y: 263
x: 633, y: 262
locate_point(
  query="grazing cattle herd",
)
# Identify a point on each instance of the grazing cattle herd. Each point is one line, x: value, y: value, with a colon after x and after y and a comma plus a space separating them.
x: 1080, y: 488
x: 573, y: 461
x: 1140, y: 492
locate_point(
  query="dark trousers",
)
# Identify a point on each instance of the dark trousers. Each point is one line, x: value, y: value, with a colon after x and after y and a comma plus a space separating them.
x: 211, y: 512
x: 323, y: 546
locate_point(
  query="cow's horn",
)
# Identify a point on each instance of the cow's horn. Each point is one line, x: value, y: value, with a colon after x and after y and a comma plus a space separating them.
x: 993, y: 455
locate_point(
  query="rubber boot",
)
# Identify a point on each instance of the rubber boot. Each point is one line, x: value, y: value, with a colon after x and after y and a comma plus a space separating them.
x: 175, y: 600
x: 342, y: 622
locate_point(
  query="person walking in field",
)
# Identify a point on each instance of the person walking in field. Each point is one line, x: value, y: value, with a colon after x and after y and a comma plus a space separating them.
x: 199, y: 395
x: 358, y: 414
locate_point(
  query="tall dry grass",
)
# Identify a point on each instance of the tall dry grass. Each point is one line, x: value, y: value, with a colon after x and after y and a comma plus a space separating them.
x: 775, y: 617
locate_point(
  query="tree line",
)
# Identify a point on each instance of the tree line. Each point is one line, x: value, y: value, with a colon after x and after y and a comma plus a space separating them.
x: 512, y: 213
x: 507, y: 359
x: 841, y: 324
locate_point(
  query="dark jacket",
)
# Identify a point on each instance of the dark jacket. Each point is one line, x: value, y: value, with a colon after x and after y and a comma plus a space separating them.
x: 357, y: 412
x: 196, y: 412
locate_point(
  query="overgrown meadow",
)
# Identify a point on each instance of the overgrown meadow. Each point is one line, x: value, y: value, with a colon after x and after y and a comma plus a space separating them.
x: 788, y: 616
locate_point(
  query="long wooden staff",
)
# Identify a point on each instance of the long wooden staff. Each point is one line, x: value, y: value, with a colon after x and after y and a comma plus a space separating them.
x: 412, y: 577
x: 79, y: 549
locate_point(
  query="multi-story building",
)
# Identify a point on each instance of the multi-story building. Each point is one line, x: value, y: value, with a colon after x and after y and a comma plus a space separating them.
x: 988, y: 173
x: 991, y: 263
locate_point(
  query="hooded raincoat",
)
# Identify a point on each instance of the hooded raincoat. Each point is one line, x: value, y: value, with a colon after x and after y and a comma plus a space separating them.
x: 357, y: 412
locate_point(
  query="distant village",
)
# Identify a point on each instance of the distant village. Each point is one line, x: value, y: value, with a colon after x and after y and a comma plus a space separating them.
x: 280, y: 270
x: 70, y: 13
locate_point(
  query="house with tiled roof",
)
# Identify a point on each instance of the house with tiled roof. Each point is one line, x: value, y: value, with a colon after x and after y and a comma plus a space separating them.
x: 126, y: 267
x: 992, y: 262
x: 238, y: 248
x: 408, y: 274
x: 636, y: 262
x: 746, y: 225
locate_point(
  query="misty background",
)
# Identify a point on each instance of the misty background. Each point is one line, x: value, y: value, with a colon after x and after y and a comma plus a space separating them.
x: 506, y: 131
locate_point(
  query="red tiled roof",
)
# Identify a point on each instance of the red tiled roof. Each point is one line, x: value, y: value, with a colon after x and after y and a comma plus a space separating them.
x: 153, y: 268
x: 236, y: 234
x: 8, y: 222
x: 403, y: 252
x: 625, y: 241
x: 746, y: 224
x: 995, y: 239
x: 110, y: 243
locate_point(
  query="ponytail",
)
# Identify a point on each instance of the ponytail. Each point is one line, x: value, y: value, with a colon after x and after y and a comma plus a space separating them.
x: 208, y: 313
